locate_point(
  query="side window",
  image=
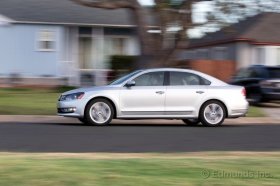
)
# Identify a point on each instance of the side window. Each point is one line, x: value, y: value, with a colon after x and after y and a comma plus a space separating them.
x: 150, y: 79
x: 184, y: 78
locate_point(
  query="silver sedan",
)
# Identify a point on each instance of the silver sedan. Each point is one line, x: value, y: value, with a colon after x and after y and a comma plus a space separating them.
x: 166, y: 93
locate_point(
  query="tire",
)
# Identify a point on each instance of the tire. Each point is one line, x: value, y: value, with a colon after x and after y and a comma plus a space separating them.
x: 212, y: 114
x: 99, y: 112
x: 82, y: 120
x: 191, y: 122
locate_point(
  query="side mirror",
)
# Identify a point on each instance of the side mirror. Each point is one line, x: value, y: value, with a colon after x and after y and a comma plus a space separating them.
x: 130, y: 84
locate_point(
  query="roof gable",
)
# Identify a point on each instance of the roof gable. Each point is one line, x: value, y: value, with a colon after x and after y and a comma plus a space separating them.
x: 4, y: 20
x: 262, y: 28
x: 62, y: 12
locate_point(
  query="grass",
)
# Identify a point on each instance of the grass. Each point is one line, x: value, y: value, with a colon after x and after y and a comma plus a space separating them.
x: 28, y: 102
x: 43, y: 102
x: 153, y: 170
x: 255, y: 112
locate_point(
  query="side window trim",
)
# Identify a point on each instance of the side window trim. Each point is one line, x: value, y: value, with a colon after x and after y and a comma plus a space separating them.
x: 166, y: 78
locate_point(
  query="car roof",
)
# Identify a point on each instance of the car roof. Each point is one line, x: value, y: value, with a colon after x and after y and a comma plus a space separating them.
x: 213, y: 80
x: 169, y: 69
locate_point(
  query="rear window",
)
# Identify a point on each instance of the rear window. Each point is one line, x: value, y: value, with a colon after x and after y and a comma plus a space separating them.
x: 274, y: 72
x: 185, y: 78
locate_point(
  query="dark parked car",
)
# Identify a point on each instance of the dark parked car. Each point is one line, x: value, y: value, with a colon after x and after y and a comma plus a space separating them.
x: 262, y: 83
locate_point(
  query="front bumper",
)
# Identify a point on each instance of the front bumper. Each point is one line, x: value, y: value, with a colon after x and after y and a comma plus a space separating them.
x: 73, y: 108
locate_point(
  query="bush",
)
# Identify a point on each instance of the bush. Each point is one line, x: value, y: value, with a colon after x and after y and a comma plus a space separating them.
x: 121, y: 65
x: 120, y: 62
x: 61, y: 89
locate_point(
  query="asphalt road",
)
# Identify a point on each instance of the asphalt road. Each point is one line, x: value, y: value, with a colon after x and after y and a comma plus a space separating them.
x: 62, y: 137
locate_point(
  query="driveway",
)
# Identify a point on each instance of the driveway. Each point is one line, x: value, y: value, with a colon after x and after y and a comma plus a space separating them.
x: 271, y: 110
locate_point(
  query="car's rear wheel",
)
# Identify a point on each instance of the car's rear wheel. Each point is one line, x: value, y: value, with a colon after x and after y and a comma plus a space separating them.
x: 99, y: 112
x: 212, y: 113
x: 191, y: 122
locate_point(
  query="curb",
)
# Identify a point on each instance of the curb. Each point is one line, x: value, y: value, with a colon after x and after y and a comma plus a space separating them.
x: 59, y: 119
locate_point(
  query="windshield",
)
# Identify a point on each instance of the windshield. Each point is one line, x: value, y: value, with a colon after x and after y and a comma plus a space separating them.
x: 125, y: 78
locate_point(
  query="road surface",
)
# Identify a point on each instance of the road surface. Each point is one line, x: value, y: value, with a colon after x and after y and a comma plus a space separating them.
x: 133, y: 138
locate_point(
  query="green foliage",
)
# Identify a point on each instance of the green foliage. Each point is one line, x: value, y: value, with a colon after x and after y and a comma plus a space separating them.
x: 121, y: 62
x: 121, y: 65
x: 64, y: 88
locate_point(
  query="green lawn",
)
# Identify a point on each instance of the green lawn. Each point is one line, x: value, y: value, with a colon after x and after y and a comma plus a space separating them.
x: 150, y: 170
x: 28, y: 102
x: 43, y: 102
x: 255, y: 112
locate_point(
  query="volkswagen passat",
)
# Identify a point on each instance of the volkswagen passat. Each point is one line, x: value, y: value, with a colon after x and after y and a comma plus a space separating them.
x: 165, y: 93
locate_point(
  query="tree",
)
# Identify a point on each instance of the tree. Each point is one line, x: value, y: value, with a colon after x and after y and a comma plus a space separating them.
x: 174, y: 19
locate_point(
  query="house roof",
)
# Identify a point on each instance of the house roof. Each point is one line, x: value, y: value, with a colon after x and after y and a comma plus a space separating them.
x: 259, y: 29
x: 63, y: 12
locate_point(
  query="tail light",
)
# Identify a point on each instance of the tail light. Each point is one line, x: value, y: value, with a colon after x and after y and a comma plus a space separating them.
x: 244, y: 92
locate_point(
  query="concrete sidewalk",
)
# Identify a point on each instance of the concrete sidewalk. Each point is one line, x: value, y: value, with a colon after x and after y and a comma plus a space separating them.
x: 58, y: 119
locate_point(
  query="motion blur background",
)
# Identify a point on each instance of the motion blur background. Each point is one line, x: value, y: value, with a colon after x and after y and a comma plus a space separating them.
x: 54, y: 43
x: 60, y: 45
x: 50, y: 46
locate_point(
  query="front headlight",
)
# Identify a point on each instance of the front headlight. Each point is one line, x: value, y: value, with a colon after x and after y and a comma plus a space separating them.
x: 70, y: 97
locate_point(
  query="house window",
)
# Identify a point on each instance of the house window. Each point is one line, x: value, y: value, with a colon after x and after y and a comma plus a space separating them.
x: 203, y: 54
x: 220, y: 53
x: 188, y: 55
x: 118, y: 45
x: 278, y: 56
x: 260, y: 56
x: 194, y: 54
x: 46, y: 40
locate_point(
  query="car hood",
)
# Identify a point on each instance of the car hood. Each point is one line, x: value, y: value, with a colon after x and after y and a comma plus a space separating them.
x: 91, y: 89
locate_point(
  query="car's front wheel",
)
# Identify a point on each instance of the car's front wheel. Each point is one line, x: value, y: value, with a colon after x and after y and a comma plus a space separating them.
x: 99, y: 112
x: 212, y: 113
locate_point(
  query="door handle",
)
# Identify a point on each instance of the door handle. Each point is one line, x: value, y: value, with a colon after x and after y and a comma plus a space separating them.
x: 159, y: 92
x: 199, y: 92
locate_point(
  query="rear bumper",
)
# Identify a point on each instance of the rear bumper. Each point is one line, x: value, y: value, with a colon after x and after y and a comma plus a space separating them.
x: 239, y: 110
x: 271, y: 96
x: 270, y: 93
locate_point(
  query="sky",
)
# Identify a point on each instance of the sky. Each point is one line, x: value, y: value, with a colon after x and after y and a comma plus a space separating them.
x: 146, y: 2
x: 199, y: 15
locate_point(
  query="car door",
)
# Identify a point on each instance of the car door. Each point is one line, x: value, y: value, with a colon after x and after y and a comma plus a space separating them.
x: 184, y: 93
x: 146, y: 98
